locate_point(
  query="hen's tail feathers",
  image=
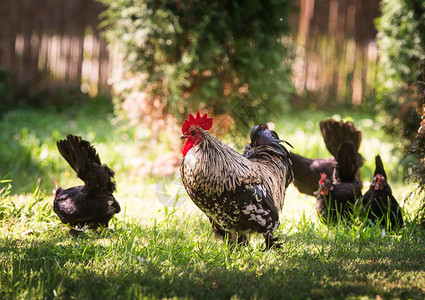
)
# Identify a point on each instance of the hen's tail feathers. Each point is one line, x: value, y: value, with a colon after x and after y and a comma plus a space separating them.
x: 80, y: 155
x: 77, y: 151
x: 261, y: 135
x: 335, y: 132
x: 346, y: 170
x: 379, y: 166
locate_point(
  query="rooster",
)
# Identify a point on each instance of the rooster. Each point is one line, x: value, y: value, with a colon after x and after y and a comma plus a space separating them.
x: 240, y: 194
x: 91, y: 204
x: 307, y: 171
x: 378, y: 202
x: 336, y: 197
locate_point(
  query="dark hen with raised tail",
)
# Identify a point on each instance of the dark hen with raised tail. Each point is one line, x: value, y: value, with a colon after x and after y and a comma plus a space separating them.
x: 335, y: 132
x: 307, y: 171
x: 240, y: 194
x: 378, y: 202
x: 91, y: 204
x: 337, y: 196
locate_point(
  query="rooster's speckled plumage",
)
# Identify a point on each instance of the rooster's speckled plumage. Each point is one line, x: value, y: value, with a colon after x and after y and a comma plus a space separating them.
x: 240, y: 194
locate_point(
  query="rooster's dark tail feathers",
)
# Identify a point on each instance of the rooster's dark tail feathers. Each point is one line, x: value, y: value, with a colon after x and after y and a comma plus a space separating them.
x: 261, y: 135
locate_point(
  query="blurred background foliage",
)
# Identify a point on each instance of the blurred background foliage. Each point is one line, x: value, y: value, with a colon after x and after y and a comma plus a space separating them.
x: 417, y: 148
x: 400, y: 88
x: 178, y: 56
x: 169, y: 58
x: 401, y: 41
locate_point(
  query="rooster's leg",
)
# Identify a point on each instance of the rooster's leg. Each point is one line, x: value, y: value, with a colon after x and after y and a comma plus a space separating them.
x: 242, y: 240
x: 271, y: 242
x: 237, y: 239
x: 217, y: 231
x: 233, y: 238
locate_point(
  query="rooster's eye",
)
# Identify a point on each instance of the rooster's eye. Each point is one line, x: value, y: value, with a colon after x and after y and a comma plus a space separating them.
x: 193, y: 132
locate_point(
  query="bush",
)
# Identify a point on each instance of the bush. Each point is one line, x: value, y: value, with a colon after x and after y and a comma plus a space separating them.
x: 417, y: 149
x: 401, y: 40
x: 177, y: 56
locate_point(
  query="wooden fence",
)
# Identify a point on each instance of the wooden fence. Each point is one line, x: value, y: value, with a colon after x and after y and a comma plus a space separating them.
x: 337, y: 53
x: 51, y: 43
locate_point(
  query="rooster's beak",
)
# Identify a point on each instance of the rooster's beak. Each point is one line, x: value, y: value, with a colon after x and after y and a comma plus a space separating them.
x: 183, y: 136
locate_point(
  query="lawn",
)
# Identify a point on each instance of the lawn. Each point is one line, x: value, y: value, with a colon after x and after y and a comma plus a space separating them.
x: 155, y: 251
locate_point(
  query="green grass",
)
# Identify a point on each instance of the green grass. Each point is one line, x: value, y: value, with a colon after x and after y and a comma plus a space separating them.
x: 157, y: 252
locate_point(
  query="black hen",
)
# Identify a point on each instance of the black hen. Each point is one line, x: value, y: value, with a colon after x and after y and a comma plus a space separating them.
x: 91, y: 204
x: 378, y: 202
x: 240, y: 194
x: 307, y: 171
x: 336, y: 198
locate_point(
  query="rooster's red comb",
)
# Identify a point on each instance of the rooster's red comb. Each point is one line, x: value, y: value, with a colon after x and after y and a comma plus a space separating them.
x: 322, y: 176
x: 204, y: 122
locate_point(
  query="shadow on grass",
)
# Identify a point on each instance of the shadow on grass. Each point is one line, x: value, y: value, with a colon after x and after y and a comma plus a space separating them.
x: 164, y: 263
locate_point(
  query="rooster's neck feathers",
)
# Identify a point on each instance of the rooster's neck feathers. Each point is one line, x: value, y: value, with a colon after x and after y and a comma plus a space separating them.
x: 214, y: 167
